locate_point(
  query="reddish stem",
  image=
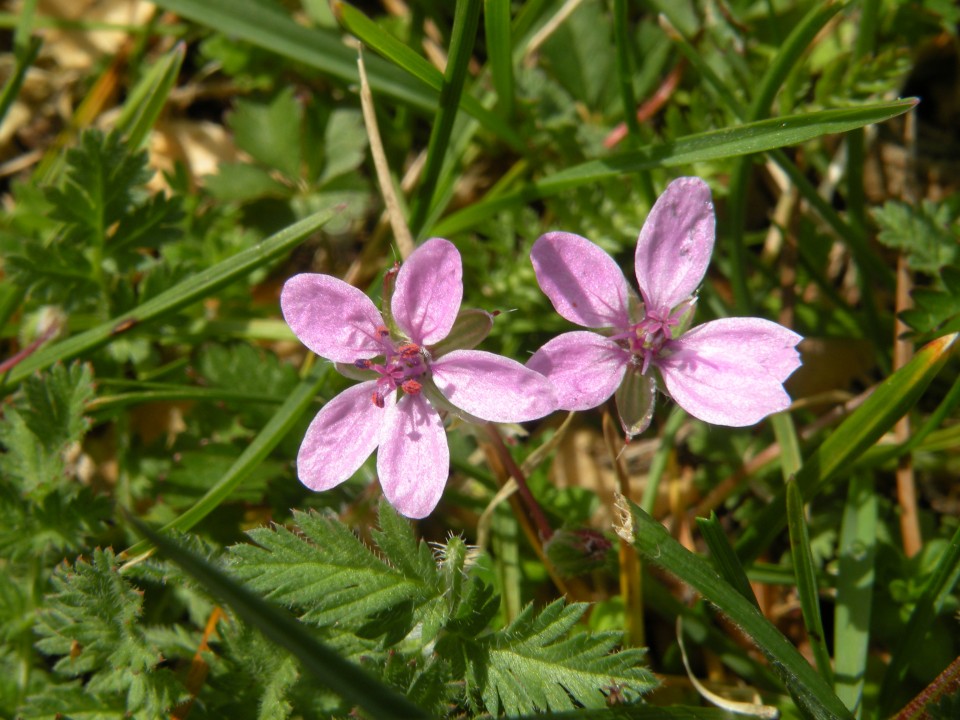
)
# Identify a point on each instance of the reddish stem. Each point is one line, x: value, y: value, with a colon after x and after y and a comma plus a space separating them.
x: 533, y: 507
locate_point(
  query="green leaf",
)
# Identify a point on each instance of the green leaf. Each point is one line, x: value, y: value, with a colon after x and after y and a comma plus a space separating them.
x: 935, y: 308
x: 97, y: 183
x: 929, y: 235
x: 240, y: 182
x: 814, y: 697
x: 466, y: 21
x: 250, y: 459
x: 181, y: 295
x: 324, y: 665
x: 938, y: 589
x: 44, y: 422
x: 345, y: 144
x: 536, y: 663
x: 744, y: 139
x: 270, y: 132
x: 855, y: 586
x: 148, y: 97
x: 329, y: 577
x: 93, y: 622
x: 807, y: 587
x: 888, y: 403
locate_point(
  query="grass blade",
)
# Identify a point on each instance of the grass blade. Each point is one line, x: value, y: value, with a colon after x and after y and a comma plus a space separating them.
x: 807, y: 688
x: 807, y: 580
x: 724, y: 559
x: 147, y: 99
x: 939, y: 587
x: 267, y: 26
x: 374, y: 37
x: 730, y: 142
x: 327, y: 667
x: 496, y: 19
x: 889, y: 402
x: 854, y: 601
x: 465, y: 25
x: 181, y: 295
x: 255, y: 453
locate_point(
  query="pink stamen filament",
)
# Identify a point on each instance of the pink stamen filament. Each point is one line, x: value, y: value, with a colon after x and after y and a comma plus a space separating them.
x: 648, y: 338
x: 401, y: 368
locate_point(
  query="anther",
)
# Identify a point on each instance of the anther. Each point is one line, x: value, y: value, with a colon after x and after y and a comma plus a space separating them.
x: 411, y: 387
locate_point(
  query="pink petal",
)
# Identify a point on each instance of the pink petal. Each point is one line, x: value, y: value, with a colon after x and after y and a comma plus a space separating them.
x: 585, y: 368
x: 492, y: 387
x: 413, y: 461
x: 676, y: 243
x: 335, y: 320
x: 341, y: 437
x: 428, y: 292
x: 731, y: 372
x: 583, y: 282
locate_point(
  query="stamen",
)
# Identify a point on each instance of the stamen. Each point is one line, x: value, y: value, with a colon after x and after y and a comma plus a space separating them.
x: 411, y: 387
x: 377, y: 399
x: 408, y: 351
x: 362, y: 364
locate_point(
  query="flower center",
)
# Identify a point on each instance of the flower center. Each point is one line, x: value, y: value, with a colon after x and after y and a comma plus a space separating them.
x: 403, y: 366
x: 648, y: 338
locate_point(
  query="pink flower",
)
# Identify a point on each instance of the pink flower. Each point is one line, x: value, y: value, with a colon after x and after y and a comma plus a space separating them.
x: 726, y: 372
x: 394, y: 409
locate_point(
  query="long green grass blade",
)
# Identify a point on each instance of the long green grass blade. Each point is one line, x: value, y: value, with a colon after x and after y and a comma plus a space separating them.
x: 255, y: 453
x: 496, y: 24
x: 268, y: 27
x: 808, y: 689
x: 328, y: 668
x: 146, y: 101
x: 382, y: 42
x: 807, y: 580
x: 730, y: 142
x: 854, y: 599
x: 724, y: 559
x: 634, y: 712
x: 938, y: 589
x: 465, y: 25
x: 181, y: 295
x: 888, y: 403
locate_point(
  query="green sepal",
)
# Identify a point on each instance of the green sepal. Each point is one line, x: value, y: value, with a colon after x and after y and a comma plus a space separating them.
x: 635, y: 401
x: 469, y: 330
x: 351, y: 371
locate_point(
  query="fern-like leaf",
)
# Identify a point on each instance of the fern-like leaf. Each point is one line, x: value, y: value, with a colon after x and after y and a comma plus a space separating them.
x: 536, y: 664
x: 329, y: 576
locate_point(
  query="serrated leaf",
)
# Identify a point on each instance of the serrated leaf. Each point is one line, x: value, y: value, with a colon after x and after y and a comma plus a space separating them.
x: 327, y: 575
x: 44, y: 421
x: 270, y: 132
x: 928, y: 235
x: 100, y: 175
x: 535, y: 664
x: 93, y: 622
x: 932, y: 306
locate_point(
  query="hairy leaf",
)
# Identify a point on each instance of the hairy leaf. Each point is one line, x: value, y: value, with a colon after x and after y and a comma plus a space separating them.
x: 40, y: 432
x: 537, y: 664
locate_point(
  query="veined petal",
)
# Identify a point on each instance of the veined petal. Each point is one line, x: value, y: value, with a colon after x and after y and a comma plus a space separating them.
x: 335, y: 320
x: 583, y: 282
x: 731, y: 372
x: 585, y: 368
x: 413, y: 460
x: 341, y: 437
x: 675, y: 243
x: 428, y: 292
x: 493, y: 387
x: 766, y: 343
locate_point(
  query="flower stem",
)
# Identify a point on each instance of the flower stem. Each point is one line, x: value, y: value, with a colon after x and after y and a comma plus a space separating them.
x: 533, y: 507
